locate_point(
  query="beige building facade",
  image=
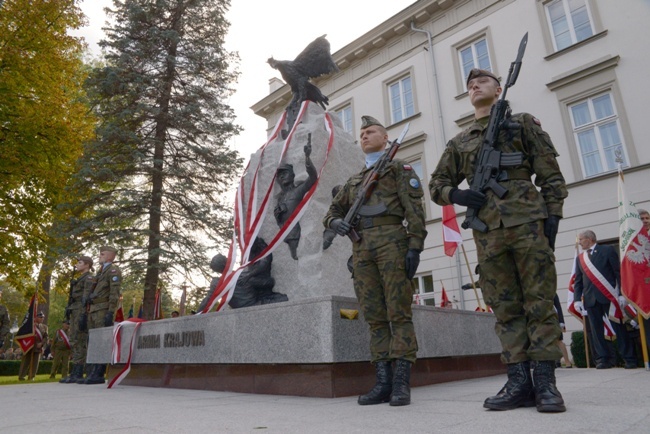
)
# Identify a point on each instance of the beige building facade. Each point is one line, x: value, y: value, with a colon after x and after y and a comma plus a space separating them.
x: 583, y: 76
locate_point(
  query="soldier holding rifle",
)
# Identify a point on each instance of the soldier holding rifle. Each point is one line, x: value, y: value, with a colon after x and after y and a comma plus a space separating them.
x: 381, y: 210
x: 515, y: 225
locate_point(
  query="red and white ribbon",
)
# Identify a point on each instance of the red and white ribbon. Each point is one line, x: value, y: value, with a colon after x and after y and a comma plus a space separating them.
x: 116, y: 352
x: 64, y: 338
x: 599, y: 281
x: 248, y: 226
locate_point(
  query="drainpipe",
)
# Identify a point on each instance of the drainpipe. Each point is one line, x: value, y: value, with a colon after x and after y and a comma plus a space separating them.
x: 441, y: 124
x: 443, y: 138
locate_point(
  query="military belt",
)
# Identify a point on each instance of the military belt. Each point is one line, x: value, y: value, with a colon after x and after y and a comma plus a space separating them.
x: 371, y: 222
x: 514, y: 174
x: 99, y: 300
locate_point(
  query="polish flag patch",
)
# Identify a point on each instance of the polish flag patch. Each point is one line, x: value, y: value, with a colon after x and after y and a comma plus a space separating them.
x: 407, y: 167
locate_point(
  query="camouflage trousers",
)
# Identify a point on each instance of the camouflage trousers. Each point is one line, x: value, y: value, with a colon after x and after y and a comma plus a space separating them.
x: 519, y: 281
x: 385, y: 296
x: 78, y: 339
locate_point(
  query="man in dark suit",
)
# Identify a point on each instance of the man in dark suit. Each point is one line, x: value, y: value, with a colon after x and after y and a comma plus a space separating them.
x: 605, y: 261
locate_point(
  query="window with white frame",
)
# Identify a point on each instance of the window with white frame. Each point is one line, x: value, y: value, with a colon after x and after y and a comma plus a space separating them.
x: 474, y: 55
x: 423, y: 290
x: 345, y: 114
x: 598, y: 135
x: 569, y: 21
x: 400, y: 95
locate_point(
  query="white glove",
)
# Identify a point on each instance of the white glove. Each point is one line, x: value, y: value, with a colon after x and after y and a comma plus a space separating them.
x: 622, y: 301
x: 634, y: 324
x: 579, y: 307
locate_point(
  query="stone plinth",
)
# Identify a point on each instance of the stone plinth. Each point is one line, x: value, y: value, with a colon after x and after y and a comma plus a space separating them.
x: 301, y: 347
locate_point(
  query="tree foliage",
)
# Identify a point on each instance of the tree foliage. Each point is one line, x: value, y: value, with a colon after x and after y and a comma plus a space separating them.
x: 43, y: 122
x: 156, y: 175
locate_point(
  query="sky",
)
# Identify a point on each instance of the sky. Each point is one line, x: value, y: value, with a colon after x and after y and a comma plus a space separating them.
x: 261, y: 29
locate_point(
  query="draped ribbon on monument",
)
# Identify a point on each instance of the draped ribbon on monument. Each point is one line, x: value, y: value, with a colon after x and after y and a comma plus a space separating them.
x: 248, y: 225
x: 116, y: 349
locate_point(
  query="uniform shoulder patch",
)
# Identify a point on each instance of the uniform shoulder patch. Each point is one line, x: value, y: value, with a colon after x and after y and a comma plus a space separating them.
x: 407, y: 167
x: 115, y: 278
x: 414, y: 182
x: 536, y: 121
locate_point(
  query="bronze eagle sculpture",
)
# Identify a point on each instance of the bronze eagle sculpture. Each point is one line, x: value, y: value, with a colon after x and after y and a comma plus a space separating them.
x: 314, y: 61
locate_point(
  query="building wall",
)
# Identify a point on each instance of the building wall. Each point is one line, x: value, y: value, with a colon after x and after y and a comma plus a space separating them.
x: 610, y: 61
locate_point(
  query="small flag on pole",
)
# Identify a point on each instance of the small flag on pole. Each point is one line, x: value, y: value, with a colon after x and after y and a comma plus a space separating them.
x: 157, y: 307
x: 141, y: 311
x: 183, y: 301
x: 444, y: 302
x: 119, y: 313
x: 450, y: 230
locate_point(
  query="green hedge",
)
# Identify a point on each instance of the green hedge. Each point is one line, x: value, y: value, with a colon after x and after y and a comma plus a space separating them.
x: 578, y: 349
x: 11, y: 367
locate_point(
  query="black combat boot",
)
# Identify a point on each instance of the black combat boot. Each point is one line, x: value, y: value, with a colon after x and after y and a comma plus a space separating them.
x: 76, y: 374
x: 89, y: 368
x: 547, y: 398
x: 517, y: 392
x: 401, y: 383
x: 97, y: 375
x: 383, y: 385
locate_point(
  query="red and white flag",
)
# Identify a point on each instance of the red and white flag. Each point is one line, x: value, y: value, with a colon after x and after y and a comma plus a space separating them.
x: 450, y: 230
x: 157, y: 306
x: 119, y: 313
x: 444, y: 302
x: 26, y: 334
x: 634, y: 244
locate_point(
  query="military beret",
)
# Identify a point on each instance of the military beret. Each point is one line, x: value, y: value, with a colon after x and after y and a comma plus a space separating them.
x: 474, y: 73
x: 87, y: 259
x: 108, y: 249
x: 368, y: 121
x: 40, y: 315
x: 285, y: 166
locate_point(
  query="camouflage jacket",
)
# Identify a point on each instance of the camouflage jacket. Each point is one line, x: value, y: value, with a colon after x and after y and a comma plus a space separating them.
x: 399, y: 189
x: 107, y: 290
x: 78, y: 290
x: 524, y: 202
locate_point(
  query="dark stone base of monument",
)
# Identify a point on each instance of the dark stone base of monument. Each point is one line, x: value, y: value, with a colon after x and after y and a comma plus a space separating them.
x: 326, y: 380
x: 301, y: 347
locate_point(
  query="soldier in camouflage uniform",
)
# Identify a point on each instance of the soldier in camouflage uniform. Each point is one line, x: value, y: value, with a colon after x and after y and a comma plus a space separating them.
x: 384, y: 262
x: 102, y: 299
x: 75, y: 310
x: 516, y: 256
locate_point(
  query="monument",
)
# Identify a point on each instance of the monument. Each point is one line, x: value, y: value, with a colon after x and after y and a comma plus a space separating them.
x: 314, y: 344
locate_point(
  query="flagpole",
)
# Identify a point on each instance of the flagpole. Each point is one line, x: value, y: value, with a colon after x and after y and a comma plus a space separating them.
x: 644, y: 344
x: 471, y: 278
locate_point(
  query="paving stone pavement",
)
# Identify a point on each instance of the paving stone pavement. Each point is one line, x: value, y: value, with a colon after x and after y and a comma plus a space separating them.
x: 598, y: 401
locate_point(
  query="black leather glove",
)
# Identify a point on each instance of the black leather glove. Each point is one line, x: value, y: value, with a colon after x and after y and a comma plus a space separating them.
x: 83, y: 322
x: 340, y: 226
x: 108, y: 319
x: 551, y: 225
x: 468, y: 198
x: 412, y: 262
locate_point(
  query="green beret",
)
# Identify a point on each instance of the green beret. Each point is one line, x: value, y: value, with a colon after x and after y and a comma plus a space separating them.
x: 474, y: 73
x: 368, y: 121
x: 108, y: 249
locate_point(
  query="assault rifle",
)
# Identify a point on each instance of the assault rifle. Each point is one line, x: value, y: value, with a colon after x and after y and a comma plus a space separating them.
x: 369, y: 184
x: 68, y: 311
x: 490, y: 162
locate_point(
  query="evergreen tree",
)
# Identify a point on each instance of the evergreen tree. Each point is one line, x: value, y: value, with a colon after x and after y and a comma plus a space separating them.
x: 156, y: 176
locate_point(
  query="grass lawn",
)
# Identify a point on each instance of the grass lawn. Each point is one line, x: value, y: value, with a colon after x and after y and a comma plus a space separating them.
x: 42, y: 378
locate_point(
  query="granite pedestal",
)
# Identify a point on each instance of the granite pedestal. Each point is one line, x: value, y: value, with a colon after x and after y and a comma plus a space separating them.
x: 303, y: 348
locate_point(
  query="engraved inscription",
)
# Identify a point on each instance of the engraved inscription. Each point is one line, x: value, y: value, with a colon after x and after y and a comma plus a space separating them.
x: 194, y: 338
x: 148, y: 341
